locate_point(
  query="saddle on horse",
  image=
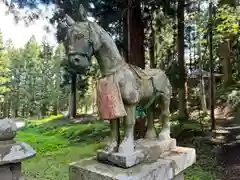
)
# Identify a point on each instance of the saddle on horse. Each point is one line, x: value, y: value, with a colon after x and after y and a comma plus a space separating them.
x: 156, y: 75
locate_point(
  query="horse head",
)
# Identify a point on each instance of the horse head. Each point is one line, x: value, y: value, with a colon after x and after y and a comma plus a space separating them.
x: 80, y: 39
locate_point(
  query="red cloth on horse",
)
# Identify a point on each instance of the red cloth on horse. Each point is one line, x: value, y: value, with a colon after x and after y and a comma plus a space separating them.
x: 109, y: 99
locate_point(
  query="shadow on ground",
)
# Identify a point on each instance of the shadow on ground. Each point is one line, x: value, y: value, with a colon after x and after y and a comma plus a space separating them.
x: 230, y: 160
x: 228, y: 139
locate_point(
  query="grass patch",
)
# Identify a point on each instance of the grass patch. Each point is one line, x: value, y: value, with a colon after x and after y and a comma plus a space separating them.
x: 57, y: 144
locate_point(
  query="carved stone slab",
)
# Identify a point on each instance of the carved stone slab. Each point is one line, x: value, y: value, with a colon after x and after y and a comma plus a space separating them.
x: 11, y: 172
x: 145, y: 150
x: 15, y: 153
x: 169, y: 166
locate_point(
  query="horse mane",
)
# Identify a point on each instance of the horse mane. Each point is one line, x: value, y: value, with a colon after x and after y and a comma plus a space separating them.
x: 104, y: 35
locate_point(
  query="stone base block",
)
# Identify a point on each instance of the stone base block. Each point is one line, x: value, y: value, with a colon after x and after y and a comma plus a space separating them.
x: 169, y: 166
x: 145, y: 150
x: 180, y: 176
x: 10, y: 172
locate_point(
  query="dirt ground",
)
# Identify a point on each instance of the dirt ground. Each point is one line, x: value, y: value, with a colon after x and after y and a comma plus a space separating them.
x: 230, y: 152
x: 230, y: 160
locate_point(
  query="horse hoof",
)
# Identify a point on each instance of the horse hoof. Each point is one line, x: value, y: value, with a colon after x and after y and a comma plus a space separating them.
x: 164, y: 136
x: 150, y: 135
x: 126, y: 147
x: 111, y: 147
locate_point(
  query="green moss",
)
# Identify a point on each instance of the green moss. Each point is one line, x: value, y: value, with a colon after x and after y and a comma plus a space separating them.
x: 206, y: 166
x: 52, y: 163
x: 57, y: 144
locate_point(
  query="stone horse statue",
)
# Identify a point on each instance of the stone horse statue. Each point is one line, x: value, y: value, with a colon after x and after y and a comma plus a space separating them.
x: 84, y: 39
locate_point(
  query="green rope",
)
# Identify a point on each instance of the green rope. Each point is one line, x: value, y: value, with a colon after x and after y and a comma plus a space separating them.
x: 151, y: 100
x: 140, y: 113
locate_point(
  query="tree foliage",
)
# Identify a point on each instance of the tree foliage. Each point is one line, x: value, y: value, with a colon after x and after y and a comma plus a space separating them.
x: 160, y: 39
x: 31, y: 79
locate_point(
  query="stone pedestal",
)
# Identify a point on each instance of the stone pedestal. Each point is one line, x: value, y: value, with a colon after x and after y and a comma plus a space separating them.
x: 166, y: 163
x: 145, y: 150
x: 12, y: 153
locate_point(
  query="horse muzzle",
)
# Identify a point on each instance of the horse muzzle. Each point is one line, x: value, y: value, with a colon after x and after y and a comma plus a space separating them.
x: 79, y: 61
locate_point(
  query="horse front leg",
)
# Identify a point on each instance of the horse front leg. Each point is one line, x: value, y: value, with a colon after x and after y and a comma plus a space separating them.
x: 114, y: 137
x: 127, y: 145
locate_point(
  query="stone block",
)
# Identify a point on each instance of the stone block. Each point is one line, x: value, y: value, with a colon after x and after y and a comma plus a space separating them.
x: 10, y: 172
x: 180, y: 176
x: 5, y: 173
x: 180, y: 158
x: 16, y: 171
x: 145, y: 150
x: 169, y: 166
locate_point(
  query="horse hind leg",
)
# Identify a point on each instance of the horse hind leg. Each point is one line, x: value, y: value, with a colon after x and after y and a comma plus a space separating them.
x: 165, y: 132
x: 151, y: 132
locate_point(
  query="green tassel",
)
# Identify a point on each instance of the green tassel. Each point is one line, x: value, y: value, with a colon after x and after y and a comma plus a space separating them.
x: 140, y: 112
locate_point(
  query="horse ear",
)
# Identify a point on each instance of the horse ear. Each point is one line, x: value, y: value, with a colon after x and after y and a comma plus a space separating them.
x: 82, y: 13
x: 69, y: 20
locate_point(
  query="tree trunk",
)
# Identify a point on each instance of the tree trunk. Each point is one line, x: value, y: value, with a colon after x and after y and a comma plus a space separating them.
x: 16, y: 112
x: 86, y: 108
x: 1, y: 110
x: 125, y: 29
x: 136, y: 48
x: 23, y: 111
x: 93, y: 98
x: 72, y: 99
x: 202, y: 95
x: 4, y: 111
x: 5, y: 108
x: 43, y: 110
x: 225, y: 51
x: 18, y: 101
x: 151, y: 49
x: 182, y: 106
x: 16, y: 106
x: 55, y: 109
x: 201, y: 83
x: 135, y: 34
x: 9, y: 109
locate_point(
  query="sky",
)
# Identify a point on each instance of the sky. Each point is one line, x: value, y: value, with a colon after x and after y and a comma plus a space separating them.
x: 20, y: 33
